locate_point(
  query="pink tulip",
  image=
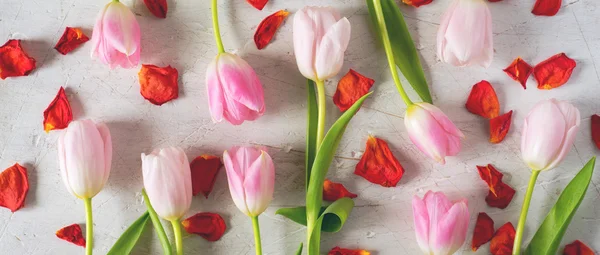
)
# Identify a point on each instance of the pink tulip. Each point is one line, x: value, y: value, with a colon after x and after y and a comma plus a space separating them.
x: 116, y: 36
x: 251, y: 177
x: 168, y: 182
x: 440, y: 225
x: 548, y: 133
x: 320, y: 40
x: 234, y: 91
x: 465, y: 34
x: 432, y: 131
x: 85, y: 156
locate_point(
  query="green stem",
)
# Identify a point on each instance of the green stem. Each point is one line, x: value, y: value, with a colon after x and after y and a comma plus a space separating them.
x: 217, y: 31
x: 388, y: 51
x: 158, y: 227
x: 524, y: 210
x: 257, y: 243
x: 89, y: 226
x: 177, y: 233
x: 321, y: 105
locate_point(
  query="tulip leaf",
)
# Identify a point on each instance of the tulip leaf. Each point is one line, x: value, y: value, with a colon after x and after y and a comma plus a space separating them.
x: 332, y: 220
x: 547, y: 238
x: 311, y: 129
x: 129, y: 238
x: 299, y: 251
x: 403, y: 47
x: 158, y: 227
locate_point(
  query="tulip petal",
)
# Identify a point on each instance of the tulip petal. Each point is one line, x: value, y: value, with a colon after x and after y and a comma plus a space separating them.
x: 483, y: 232
x: 577, y: 248
x: 554, y: 71
x: 546, y: 7
x: 259, y: 184
x: 500, y: 194
x: 71, y: 39
x: 158, y: 84
x: 499, y: 127
x: 240, y: 82
x: 107, y: 140
x: 378, y: 164
x: 304, y: 35
x: 214, y: 90
x: 437, y: 205
x: 14, y: 61
x: 235, y: 178
x: 330, y: 52
x: 204, y: 173
x: 451, y: 230
x: 422, y: 222
x: 333, y: 191
x: 72, y: 234
x: 519, y: 70
x: 596, y: 130
x: 573, y: 120
x: 343, y: 251
x: 14, y: 185
x: 483, y: 100
x: 351, y: 88
x: 121, y: 30
x: 417, y: 3
x: 442, y: 119
x: 503, y: 240
x: 267, y: 28
x: 543, y: 134
x: 209, y: 226
x: 58, y: 114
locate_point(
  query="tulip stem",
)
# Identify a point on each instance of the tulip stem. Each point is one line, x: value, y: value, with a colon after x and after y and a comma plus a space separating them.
x: 217, y: 31
x: 177, y: 233
x: 388, y: 51
x: 89, y: 226
x: 158, y: 227
x: 257, y: 243
x: 321, y: 110
x: 524, y: 210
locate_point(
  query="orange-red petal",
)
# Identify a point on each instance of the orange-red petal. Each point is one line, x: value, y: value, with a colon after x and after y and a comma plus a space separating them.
x: 333, y: 191
x: 500, y: 194
x: 258, y: 4
x: 158, y: 8
x: 14, y: 61
x: 554, y: 72
x: 58, y: 115
x: 71, y: 39
x: 519, y: 70
x: 596, y: 130
x: 14, y: 185
x: 378, y: 165
x: 417, y: 3
x: 204, y: 173
x: 351, y: 88
x: 483, y: 232
x: 546, y: 7
x: 72, y: 234
x: 158, y: 84
x: 483, y: 100
x: 577, y: 248
x: 502, y: 242
x: 499, y: 127
x: 267, y: 28
x: 343, y: 251
x: 210, y: 226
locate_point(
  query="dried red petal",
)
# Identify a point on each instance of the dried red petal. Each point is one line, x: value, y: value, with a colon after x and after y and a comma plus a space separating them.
x: 554, y: 72
x: 267, y: 28
x: 343, y: 251
x: 546, y: 7
x: 157, y: 7
x: 258, y: 4
x: 71, y: 39
x: 210, y: 226
x: 14, y: 61
x: 483, y: 100
x: 14, y: 185
x: 577, y: 248
x: 158, y: 84
x: 417, y: 3
x: 378, y: 165
x: 494, y: 1
x: 502, y: 242
x: 519, y: 70
x: 596, y: 130
x: 499, y: 127
x: 58, y: 115
x: 483, y: 232
x: 72, y: 234
x: 500, y: 194
x: 333, y: 191
x: 204, y: 173
x: 351, y: 88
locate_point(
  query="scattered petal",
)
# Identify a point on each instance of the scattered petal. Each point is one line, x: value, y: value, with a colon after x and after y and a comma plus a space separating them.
x: 204, y: 173
x: 499, y: 127
x: 71, y: 39
x: 258, y: 4
x: 351, y: 88
x: 502, y: 242
x: 157, y: 7
x: 596, y: 130
x: 500, y: 194
x: 342, y: 251
x: 378, y: 165
x: 519, y: 70
x: 14, y: 185
x: 577, y: 248
x: 58, y: 115
x: 494, y: 1
x: 333, y: 191
x: 72, y: 234
x: 483, y: 100
x: 417, y: 3
x: 484, y: 230
x: 546, y: 7
x: 554, y: 72
x: 158, y: 84
x: 267, y: 28
x: 210, y: 226
x: 14, y: 61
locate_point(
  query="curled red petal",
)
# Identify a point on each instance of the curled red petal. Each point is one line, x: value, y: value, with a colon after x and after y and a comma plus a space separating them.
x: 158, y: 84
x: 483, y: 232
x: 58, y: 115
x: 494, y: 1
x: 343, y: 251
x: 157, y: 7
x: 351, y: 88
x: 72, y: 234
x: 483, y: 100
x: 14, y: 61
x: 204, y: 173
x: 596, y: 130
x: 546, y: 7
x: 14, y: 185
x: 267, y: 28
x: 417, y: 3
x: 378, y: 165
x: 210, y: 226
x: 499, y: 127
x: 258, y: 4
x: 71, y: 39
x: 500, y: 194
x: 333, y: 191
x: 577, y: 248
x: 554, y: 72
x: 502, y: 242
x: 519, y: 70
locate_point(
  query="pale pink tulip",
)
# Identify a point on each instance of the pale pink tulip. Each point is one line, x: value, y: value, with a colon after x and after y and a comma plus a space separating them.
x: 548, y: 133
x: 432, y: 131
x: 85, y: 156
x: 440, y: 225
x: 168, y: 182
x: 234, y: 91
x: 251, y: 177
x: 320, y: 40
x: 465, y: 34
x: 116, y: 36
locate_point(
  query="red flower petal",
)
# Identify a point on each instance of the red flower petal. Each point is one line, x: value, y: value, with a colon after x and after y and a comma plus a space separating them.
x: 58, y: 115
x: 72, y: 234
x: 554, y: 72
x: 14, y: 185
x: 484, y: 230
x: 577, y: 248
x: 210, y: 226
x: 158, y: 84
x: 546, y: 7
x: 483, y: 100
x: 267, y: 28
x: 204, y: 173
x: 157, y: 7
x: 258, y: 4
x: 378, y: 165
x: 596, y: 130
x: 14, y: 61
x: 502, y: 242
x: 351, y: 88
x: 519, y: 70
x: 342, y: 251
x: 417, y: 3
x: 499, y: 127
x: 494, y: 1
x: 71, y: 39
x: 333, y: 191
x: 500, y: 194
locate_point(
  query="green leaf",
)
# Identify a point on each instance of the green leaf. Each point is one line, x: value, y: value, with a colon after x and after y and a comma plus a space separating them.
x: 405, y: 53
x: 129, y: 238
x: 311, y: 129
x: 158, y: 227
x: 299, y: 251
x: 332, y: 221
x: 547, y: 238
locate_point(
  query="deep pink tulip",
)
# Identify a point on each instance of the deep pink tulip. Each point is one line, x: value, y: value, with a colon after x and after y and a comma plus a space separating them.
x: 440, y: 225
x: 116, y: 36
x: 234, y: 91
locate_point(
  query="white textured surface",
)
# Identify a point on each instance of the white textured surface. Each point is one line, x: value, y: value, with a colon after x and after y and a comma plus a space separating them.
x: 382, y: 219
